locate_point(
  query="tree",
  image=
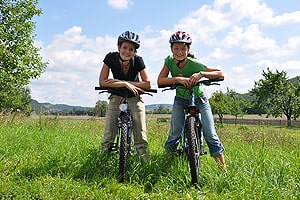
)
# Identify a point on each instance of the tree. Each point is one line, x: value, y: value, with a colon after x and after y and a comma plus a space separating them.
x: 101, y: 108
x: 237, y: 104
x: 277, y: 96
x: 231, y: 103
x: 219, y: 104
x: 161, y: 110
x: 20, y: 61
x: 17, y: 99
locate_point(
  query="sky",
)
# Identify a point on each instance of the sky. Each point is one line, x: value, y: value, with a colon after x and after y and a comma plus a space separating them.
x: 242, y: 38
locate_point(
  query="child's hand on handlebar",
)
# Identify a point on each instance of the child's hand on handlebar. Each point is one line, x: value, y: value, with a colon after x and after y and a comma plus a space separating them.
x: 133, y: 88
x: 195, y: 78
x: 186, y: 82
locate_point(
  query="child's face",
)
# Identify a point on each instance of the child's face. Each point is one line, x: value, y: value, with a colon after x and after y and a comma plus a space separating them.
x: 180, y: 51
x: 127, y: 50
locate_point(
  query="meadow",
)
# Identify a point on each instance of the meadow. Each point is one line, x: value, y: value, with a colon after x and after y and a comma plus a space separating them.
x: 54, y: 158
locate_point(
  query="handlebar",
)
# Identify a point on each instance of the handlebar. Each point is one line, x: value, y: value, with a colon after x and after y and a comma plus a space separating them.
x: 123, y: 91
x: 206, y: 82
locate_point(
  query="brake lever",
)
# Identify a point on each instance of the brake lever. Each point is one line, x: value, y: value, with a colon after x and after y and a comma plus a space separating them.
x: 166, y: 89
x: 148, y: 93
x: 103, y: 91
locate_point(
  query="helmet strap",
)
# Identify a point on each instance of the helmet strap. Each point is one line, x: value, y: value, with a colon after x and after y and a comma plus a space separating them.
x: 179, y: 61
x: 122, y: 59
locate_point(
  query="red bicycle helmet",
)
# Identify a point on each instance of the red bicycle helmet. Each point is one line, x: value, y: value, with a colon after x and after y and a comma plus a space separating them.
x: 131, y: 37
x: 182, y: 37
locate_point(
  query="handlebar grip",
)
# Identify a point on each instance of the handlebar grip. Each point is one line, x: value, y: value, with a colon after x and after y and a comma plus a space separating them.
x: 163, y: 86
x: 206, y: 82
x: 216, y: 79
x: 99, y: 88
x: 209, y: 82
x: 151, y: 90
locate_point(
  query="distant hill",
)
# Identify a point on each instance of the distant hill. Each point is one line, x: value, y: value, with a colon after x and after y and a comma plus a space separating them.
x: 37, y: 107
x: 294, y: 80
x: 48, y: 107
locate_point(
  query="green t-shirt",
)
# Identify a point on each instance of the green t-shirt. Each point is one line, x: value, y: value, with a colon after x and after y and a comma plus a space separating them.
x: 192, y: 66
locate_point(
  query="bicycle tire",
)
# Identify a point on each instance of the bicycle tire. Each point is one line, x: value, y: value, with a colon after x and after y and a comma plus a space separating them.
x: 123, y: 151
x: 192, y: 149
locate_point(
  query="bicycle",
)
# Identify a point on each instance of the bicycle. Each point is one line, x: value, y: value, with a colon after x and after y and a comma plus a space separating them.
x: 122, y: 143
x: 192, y: 141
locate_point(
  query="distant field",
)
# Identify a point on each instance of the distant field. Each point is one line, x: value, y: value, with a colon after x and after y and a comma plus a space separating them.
x: 155, y: 116
x: 247, y: 119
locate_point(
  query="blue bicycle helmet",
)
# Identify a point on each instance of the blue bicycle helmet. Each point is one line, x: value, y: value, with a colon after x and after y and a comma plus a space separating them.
x: 180, y: 37
x: 131, y: 37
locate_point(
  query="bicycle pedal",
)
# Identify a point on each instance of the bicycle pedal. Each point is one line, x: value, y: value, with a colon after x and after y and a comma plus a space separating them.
x: 113, y: 149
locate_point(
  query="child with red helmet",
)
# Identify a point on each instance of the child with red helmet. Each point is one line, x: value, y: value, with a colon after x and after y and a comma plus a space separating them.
x: 188, y: 71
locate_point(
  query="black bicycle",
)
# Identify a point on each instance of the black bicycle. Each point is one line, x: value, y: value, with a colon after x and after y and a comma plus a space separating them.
x: 122, y: 144
x: 192, y: 140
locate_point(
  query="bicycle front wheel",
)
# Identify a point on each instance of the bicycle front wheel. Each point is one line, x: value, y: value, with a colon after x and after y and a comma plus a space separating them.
x: 193, y: 155
x: 123, y: 151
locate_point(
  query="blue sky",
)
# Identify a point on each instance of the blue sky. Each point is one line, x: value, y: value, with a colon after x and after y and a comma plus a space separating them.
x: 240, y: 37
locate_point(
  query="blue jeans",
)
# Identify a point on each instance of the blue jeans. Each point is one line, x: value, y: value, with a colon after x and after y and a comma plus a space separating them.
x: 177, y: 125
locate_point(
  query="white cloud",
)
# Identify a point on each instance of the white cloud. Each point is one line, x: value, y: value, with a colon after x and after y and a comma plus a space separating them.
x: 74, y: 65
x: 68, y: 40
x: 257, y: 11
x: 119, y: 4
x: 292, y: 67
x: 252, y: 42
x: 155, y: 48
x: 292, y: 46
x: 218, y: 54
x: 281, y: 20
x: 238, y: 69
x: 203, y: 24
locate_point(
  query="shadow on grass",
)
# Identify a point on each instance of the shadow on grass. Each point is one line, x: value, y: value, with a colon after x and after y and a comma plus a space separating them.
x: 162, y: 169
x: 93, y: 166
x: 105, y: 166
x: 99, y: 167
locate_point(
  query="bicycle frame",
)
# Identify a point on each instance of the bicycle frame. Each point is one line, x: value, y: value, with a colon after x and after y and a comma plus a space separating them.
x: 192, y: 137
x: 124, y: 117
x: 125, y: 125
x: 192, y: 140
x: 192, y: 110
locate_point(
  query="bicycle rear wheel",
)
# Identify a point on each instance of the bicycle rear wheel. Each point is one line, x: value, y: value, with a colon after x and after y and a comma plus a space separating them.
x: 193, y: 154
x: 123, y: 151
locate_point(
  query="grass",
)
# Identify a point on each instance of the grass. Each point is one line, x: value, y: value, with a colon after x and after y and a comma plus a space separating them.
x: 60, y: 159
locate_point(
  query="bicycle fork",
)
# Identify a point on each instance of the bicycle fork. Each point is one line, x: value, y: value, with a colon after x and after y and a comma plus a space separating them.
x: 125, y: 117
x: 199, y: 134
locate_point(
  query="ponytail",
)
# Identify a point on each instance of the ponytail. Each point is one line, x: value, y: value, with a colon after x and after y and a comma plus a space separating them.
x: 191, y: 55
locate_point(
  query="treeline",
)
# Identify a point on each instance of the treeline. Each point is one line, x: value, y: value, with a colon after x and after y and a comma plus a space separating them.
x: 274, y: 95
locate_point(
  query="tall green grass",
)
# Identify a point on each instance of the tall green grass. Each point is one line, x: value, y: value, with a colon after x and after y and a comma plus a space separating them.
x: 52, y: 158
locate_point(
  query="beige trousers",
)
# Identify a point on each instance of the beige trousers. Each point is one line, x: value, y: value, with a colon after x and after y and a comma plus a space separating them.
x: 137, y: 108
